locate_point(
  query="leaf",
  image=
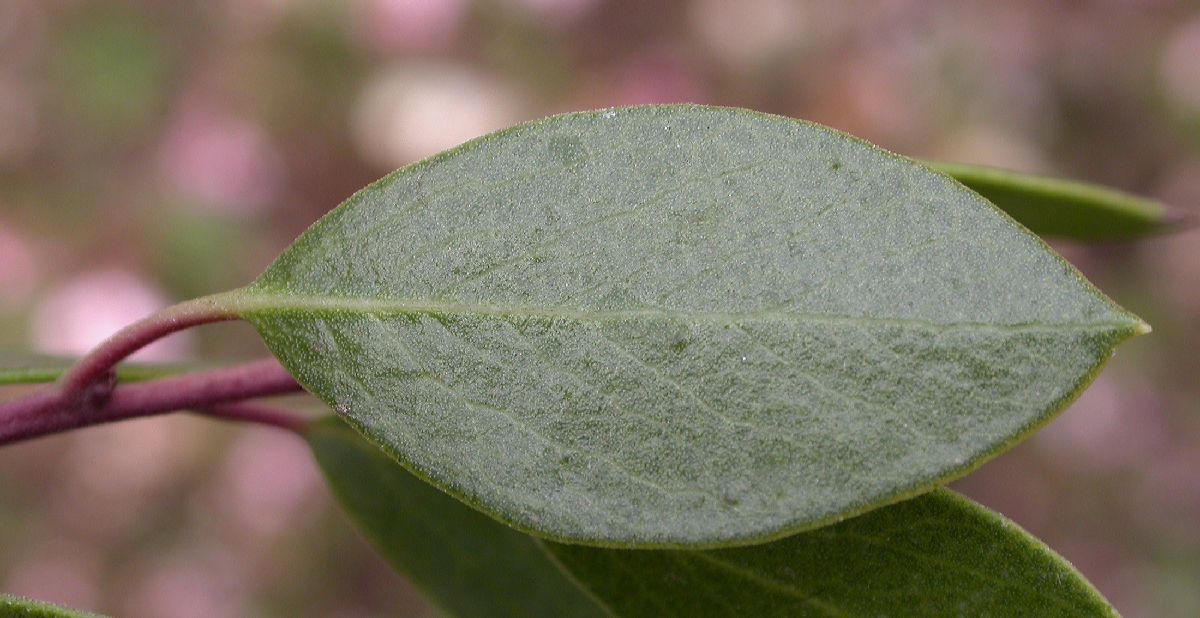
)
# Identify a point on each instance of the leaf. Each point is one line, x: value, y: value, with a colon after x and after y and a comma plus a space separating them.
x: 680, y: 325
x: 16, y: 607
x: 935, y: 555
x: 1064, y: 208
x: 34, y: 369
x: 465, y: 561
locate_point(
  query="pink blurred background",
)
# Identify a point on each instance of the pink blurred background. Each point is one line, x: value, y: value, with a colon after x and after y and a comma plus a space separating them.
x: 152, y: 151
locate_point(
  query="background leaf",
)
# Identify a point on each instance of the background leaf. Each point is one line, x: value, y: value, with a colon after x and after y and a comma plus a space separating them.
x: 16, y: 607
x: 680, y: 325
x: 1064, y: 208
x: 24, y: 368
x: 935, y: 555
x: 465, y: 561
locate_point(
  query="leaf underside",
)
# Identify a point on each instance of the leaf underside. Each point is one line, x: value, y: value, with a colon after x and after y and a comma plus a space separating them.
x: 1064, y: 208
x: 935, y: 555
x: 680, y: 326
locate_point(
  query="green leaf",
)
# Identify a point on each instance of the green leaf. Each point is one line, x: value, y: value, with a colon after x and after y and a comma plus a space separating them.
x: 16, y: 607
x: 1064, y: 208
x: 466, y: 562
x: 34, y: 369
x: 936, y: 555
x: 680, y: 325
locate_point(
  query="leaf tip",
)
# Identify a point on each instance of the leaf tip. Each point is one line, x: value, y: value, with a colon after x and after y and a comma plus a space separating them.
x: 1142, y: 328
x: 1178, y: 220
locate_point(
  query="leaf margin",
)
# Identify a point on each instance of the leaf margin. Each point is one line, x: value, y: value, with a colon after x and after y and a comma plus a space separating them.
x: 1027, y: 542
x: 322, y: 432
x: 1005, y: 532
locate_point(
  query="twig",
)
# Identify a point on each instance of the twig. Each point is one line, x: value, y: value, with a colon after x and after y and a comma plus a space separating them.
x: 50, y: 411
x: 262, y: 414
x: 94, y: 369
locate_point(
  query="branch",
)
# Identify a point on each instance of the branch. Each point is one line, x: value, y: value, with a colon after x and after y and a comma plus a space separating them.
x: 53, y: 410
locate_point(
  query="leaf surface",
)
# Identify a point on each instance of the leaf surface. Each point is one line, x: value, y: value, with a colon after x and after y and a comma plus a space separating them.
x: 466, y: 562
x: 17, y: 607
x: 680, y: 325
x: 1065, y: 208
x: 935, y: 555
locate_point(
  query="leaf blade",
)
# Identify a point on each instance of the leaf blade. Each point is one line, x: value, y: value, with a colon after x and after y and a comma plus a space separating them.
x: 1064, y: 208
x: 645, y: 327
x: 464, y: 561
x: 935, y: 555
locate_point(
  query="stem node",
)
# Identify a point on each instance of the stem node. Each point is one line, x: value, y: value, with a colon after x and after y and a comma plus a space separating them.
x: 88, y: 394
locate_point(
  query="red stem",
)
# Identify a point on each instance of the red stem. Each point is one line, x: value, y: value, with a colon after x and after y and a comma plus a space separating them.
x: 51, y: 411
x: 251, y: 412
x: 87, y: 394
x: 89, y: 377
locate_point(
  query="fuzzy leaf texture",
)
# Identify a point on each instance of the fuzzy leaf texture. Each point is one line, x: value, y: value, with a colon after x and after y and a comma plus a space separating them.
x: 936, y: 555
x: 680, y: 326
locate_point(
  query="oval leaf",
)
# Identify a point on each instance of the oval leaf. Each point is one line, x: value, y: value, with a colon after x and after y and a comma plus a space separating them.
x: 16, y: 607
x: 680, y: 325
x: 935, y: 555
x: 464, y: 561
x: 1064, y: 208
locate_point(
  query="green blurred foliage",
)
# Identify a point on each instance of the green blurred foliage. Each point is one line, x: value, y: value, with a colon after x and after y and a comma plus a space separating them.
x: 111, y: 67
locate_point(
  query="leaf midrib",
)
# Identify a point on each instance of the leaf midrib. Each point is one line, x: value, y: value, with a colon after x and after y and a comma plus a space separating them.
x: 247, y: 302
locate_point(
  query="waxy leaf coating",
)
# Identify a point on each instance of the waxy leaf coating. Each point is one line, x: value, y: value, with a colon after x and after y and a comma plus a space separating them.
x: 935, y: 555
x: 680, y: 325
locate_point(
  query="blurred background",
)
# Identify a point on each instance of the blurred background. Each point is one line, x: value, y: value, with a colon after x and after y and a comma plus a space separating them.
x: 152, y: 151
